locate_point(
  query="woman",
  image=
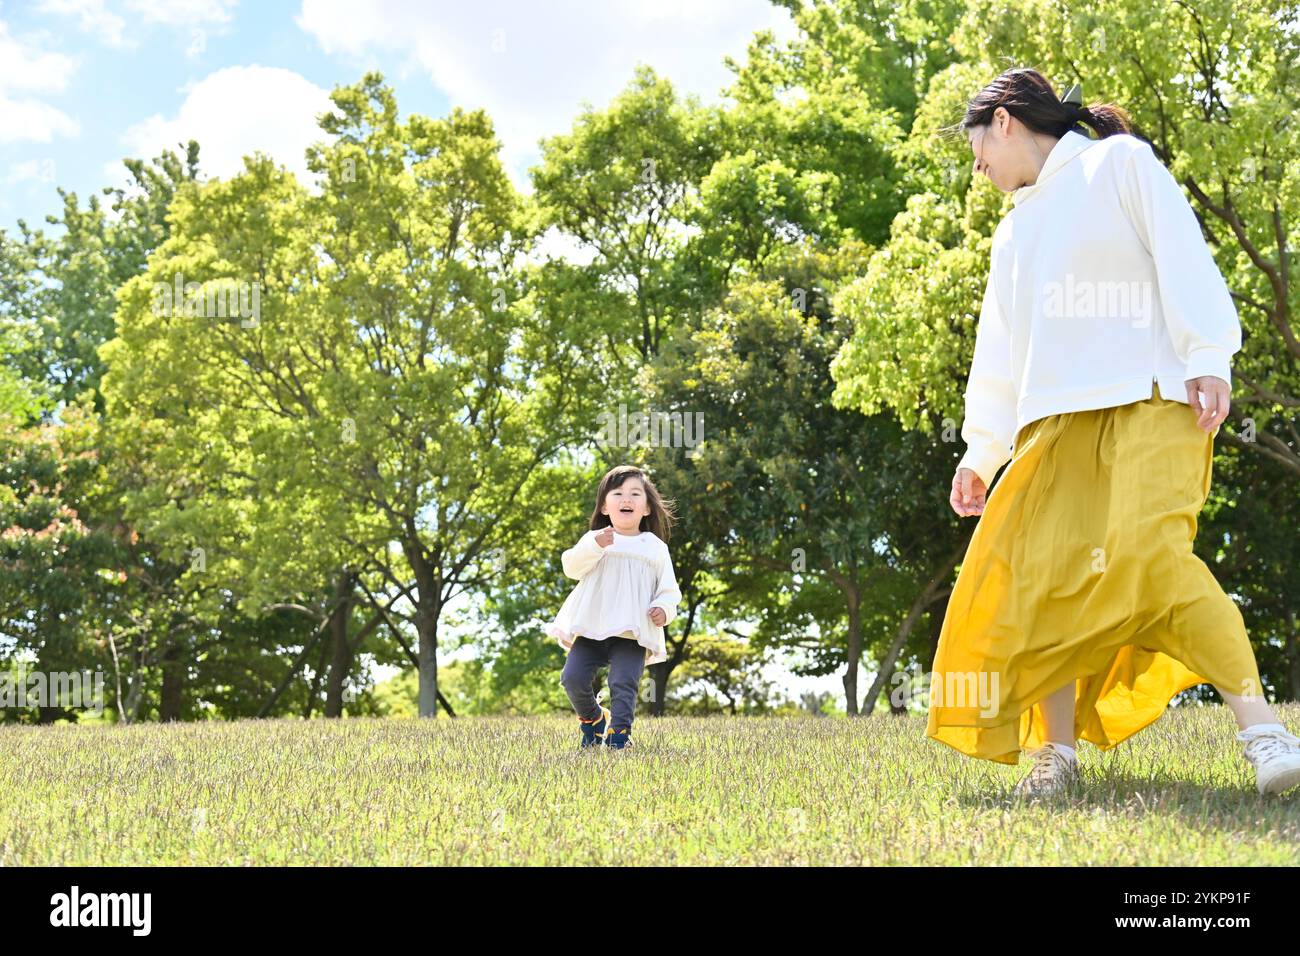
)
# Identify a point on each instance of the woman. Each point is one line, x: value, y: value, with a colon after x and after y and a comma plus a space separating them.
x: 1101, y: 370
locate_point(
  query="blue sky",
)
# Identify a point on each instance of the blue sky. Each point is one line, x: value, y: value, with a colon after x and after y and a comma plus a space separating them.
x: 84, y: 83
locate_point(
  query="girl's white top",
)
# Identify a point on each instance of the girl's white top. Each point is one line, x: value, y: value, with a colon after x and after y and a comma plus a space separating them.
x: 617, y: 587
x: 1100, y: 283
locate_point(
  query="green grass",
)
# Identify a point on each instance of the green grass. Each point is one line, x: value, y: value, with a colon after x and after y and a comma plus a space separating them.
x: 693, y: 791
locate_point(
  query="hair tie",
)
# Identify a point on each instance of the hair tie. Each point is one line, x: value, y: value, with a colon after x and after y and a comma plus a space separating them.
x: 1075, y: 111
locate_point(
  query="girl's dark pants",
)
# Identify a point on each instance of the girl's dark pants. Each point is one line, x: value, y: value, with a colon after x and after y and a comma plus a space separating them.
x: 626, y: 660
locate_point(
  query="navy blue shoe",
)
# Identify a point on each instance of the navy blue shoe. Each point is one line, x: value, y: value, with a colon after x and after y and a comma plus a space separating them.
x: 619, y: 739
x: 593, y: 731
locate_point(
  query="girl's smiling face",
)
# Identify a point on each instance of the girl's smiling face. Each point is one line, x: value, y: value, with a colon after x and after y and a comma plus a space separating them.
x: 626, y: 505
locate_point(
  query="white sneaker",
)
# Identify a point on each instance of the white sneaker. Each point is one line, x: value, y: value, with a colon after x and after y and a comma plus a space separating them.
x: 1053, y: 771
x: 1276, y: 757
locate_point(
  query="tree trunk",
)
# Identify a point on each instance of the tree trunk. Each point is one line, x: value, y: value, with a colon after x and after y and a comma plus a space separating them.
x: 313, y: 690
x: 428, y: 608
x: 889, y: 664
x: 854, y: 651
x: 341, y: 648
x: 659, y: 674
x: 932, y: 591
x: 135, y: 691
x: 173, y: 683
x: 1293, y: 656
x: 937, y: 614
x: 426, y: 627
x: 897, y: 708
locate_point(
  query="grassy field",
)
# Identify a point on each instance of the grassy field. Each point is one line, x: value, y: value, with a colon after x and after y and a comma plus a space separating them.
x: 693, y: 791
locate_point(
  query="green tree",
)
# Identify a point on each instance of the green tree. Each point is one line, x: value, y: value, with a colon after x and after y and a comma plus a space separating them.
x: 814, y: 512
x: 391, y: 409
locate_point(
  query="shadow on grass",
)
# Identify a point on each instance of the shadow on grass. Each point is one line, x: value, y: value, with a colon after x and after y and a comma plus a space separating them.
x: 1155, y: 791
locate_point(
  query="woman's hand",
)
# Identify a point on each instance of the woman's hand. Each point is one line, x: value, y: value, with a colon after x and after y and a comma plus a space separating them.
x: 657, y: 616
x: 1214, y: 411
x: 968, y: 493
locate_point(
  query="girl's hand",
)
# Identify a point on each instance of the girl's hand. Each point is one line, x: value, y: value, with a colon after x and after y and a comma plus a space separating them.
x: 968, y: 493
x: 1215, y: 410
x: 605, y: 536
x: 657, y: 616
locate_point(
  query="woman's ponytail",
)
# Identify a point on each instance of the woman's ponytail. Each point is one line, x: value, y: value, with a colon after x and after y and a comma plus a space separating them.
x: 1106, y: 119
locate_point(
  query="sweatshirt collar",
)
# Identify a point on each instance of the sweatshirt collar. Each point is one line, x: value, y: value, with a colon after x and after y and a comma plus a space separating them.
x: 1067, y: 147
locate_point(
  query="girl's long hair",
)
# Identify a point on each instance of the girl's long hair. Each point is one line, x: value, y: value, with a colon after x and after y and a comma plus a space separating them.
x: 659, y: 521
x: 1029, y: 98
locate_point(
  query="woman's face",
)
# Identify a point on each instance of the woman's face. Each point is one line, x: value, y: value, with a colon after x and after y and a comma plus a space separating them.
x: 996, y: 152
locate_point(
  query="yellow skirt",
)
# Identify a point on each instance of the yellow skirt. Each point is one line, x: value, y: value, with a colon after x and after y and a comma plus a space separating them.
x: 1081, y: 570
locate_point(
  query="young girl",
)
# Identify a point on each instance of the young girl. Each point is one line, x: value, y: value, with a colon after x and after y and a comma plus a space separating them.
x: 625, y: 595
x: 1080, y: 608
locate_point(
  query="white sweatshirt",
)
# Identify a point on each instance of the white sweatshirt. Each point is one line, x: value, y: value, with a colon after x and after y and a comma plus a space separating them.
x: 617, y: 587
x: 1100, y: 283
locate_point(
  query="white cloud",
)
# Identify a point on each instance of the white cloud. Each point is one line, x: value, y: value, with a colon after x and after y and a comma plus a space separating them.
x: 31, y: 170
x: 27, y: 69
x: 93, y: 16
x: 29, y: 120
x: 192, y: 18
x: 531, y: 65
x: 234, y: 112
x: 183, y: 13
